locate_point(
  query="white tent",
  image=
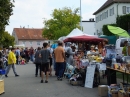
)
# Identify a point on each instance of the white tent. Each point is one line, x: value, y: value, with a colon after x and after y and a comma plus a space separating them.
x: 77, y: 32
x: 73, y: 33
x: 62, y: 38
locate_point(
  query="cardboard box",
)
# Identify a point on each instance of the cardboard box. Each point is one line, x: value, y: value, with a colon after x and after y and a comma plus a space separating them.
x: 103, y: 90
x: 2, y: 86
x: 122, y: 94
x: 114, y: 94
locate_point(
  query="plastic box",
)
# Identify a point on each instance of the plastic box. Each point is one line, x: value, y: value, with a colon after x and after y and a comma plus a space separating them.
x: 2, y: 72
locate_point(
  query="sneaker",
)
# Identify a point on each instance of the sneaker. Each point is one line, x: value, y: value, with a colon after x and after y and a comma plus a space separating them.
x: 35, y: 75
x: 60, y: 79
x: 16, y: 75
x: 6, y: 76
x: 41, y: 81
x: 46, y: 81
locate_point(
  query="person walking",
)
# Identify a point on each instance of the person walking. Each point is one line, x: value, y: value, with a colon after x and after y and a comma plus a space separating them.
x: 59, y: 55
x: 31, y: 52
x: 51, y: 59
x: 38, y: 61
x: 17, y: 52
x: 11, y: 62
x: 45, y: 55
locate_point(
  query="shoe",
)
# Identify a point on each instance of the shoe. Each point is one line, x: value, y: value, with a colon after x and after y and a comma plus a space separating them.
x: 16, y: 75
x: 41, y: 81
x: 60, y: 79
x: 6, y: 76
x: 46, y: 81
x: 35, y: 75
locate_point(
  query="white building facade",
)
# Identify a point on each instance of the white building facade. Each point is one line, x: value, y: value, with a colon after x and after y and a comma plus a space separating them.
x: 89, y: 27
x: 109, y: 14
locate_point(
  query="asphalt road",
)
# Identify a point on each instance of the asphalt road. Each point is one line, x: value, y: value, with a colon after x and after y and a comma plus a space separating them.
x: 27, y: 85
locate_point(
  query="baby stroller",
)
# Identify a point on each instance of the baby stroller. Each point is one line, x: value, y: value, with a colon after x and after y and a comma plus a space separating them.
x: 69, y: 71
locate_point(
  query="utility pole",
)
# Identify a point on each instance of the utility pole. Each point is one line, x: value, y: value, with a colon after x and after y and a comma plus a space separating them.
x: 80, y: 17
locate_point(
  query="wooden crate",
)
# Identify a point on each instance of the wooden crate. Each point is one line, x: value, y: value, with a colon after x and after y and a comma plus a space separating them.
x: 2, y: 86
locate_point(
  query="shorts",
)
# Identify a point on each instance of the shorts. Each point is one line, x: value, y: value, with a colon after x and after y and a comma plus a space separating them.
x: 45, y: 67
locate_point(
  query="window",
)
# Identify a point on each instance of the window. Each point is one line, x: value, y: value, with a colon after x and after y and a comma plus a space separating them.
x: 30, y: 42
x: 122, y: 42
x: 106, y: 13
x: 38, y: 43
x: 112, y: 11
x: 23, y: 42
x: 124, y: 9
x: 128, y: 9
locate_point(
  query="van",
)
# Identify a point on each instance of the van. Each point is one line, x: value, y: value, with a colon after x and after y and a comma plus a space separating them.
x: 120, y: 45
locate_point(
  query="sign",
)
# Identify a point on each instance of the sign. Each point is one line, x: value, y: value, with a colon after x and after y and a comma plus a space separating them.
x: 102, y: 66
x: 90, y: 76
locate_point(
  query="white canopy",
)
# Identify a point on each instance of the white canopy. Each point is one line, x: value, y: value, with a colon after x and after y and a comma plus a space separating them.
x: 77, y: 32
x: 73, y: 33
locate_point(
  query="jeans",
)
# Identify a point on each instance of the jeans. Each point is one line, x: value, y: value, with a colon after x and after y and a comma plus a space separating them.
x: 8, y: 69
x: 59, y: 69
x: 38, y: 66
x: 32, y: 58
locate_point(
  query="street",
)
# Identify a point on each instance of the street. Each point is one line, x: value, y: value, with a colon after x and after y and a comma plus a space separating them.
x: 27, y: 85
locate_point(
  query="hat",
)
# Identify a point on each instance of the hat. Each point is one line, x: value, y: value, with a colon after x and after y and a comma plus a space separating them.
x: 92, y: 46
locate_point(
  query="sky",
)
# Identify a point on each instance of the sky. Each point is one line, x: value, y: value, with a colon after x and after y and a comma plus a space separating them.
x: 31, y: 13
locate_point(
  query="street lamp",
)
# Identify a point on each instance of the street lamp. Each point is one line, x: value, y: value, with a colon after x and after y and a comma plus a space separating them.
x: 80, y: 17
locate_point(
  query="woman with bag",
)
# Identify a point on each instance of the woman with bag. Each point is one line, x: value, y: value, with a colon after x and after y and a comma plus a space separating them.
x: 38, y: 61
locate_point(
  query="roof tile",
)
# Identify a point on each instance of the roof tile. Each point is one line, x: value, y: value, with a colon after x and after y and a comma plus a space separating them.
x: 29, y: 34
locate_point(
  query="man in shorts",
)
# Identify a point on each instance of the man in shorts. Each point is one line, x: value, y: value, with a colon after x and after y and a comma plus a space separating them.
x: 45, y: 55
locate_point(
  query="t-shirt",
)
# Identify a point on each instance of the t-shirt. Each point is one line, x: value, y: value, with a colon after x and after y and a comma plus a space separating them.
x: 45, y: 55
x: 59, y: 52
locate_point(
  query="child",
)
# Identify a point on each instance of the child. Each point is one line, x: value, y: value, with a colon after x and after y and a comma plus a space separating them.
x: 23, y: 61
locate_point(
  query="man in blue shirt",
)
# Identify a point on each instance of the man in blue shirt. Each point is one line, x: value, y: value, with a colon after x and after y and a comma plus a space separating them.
x: 17, y: 53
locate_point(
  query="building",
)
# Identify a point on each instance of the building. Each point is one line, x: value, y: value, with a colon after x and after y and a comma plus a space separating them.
x: 109, y: 11
x: 29, y: 37
x: 89, y: 27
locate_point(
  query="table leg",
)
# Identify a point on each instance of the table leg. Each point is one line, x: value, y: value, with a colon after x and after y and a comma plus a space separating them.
x: 123, y: 77
x: 127, y: 78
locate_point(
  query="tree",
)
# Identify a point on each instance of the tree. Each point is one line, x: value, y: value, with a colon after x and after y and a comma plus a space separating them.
x: 106, y: 31
x: 62, y: 23
x: 8, y: 40
x: 124, y: 21
x: 6, y: 9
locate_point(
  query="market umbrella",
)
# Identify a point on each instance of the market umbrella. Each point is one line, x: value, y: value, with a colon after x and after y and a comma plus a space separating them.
x: 118, y: 31
x: 83, y: 38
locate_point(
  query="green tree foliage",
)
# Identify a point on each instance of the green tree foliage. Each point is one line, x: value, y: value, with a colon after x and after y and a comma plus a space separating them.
x: 62, y: 23
x: 8, y: 40
x: 106, y: 31
x: 123, y: 22
x: 6, y: 9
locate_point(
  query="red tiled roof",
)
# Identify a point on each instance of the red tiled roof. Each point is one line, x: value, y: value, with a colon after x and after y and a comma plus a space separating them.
x: 29, y: 34
x: 108, y: 3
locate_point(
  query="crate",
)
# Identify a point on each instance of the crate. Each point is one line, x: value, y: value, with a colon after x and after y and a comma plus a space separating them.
x: 2, y: 72
x: 2, y: 86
